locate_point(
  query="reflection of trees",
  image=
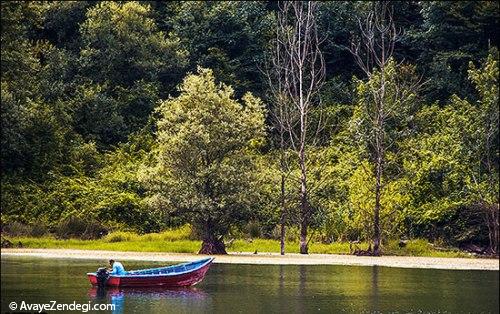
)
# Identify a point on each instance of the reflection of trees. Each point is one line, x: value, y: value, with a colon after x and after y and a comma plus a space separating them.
x: 374, y: 295
x: 302, y: 288
x: 281, y: 290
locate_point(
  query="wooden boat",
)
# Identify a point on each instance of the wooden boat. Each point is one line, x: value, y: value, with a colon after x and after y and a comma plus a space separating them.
x: 180, y: 275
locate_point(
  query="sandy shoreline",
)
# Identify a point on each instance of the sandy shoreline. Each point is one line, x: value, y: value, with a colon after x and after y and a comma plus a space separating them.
x: 270, y: 259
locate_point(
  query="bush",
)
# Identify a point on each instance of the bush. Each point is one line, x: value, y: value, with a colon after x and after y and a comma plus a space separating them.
x: 292, y: 234
x: 121, y: 236
x: 465, y: 225
x: 39, y: 230
x: 71, y: 227
x: 16, y: 229
x: 252, y: 229
x: 182, y: 233
x: 94, y: 230
x: 75, y: 227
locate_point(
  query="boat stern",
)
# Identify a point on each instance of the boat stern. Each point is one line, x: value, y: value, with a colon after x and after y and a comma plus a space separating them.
x: 92, y: 278
x: 112, y: 280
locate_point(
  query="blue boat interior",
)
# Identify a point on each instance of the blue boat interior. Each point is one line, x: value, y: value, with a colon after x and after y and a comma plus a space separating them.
x: 171, y: 270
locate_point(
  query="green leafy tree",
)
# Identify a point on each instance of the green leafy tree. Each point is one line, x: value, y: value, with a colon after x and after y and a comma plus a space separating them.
x: 433, y: 164
x: 127, y: 64
x: 387, y: 102
x: 451, y: 35
x: 452, y: 163
x: 61, y: 23
x: 36, y: 129
x: 227, y: 36
x: 205, y: 171
x: 483, y: 146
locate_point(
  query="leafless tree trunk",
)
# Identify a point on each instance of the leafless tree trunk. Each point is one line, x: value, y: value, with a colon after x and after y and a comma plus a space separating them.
x: 283, y: 208
x: 298, y: 72
x: 280, y: 117
x: 373, y: 51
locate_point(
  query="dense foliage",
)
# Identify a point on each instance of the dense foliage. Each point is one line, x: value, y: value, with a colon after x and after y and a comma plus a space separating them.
x: 104, y: 122
x: 204, y: 163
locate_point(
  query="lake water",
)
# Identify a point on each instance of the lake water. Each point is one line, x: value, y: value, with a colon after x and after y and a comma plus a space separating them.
x: 259, y: 289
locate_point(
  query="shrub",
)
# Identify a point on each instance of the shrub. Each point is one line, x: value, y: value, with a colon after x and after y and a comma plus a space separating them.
x: 75, y: 227
x: 16, y: 229
x: 94, y: 230
x: 292, y: 234
x: 252, y: 229
x: 182, y: 233
x: 121, y: 236
x: 70, y: 227
x: 39, y: 230
x: 417, y: 247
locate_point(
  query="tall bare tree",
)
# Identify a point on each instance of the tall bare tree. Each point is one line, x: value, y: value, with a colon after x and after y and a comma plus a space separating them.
x: 373, y: 51
x: 279, y: 115
x: 298, y: 71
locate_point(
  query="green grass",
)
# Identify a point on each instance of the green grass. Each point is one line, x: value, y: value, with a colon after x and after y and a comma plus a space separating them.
x: 177, y: 241
x: 133, y: 245
x: 266, y: 245
x: 420, y: 247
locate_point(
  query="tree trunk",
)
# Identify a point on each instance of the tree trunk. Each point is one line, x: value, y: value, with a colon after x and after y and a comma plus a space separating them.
x: 283, y: 185
x: 304, y: 213
x: 303, y: 237
x: 376, y: 211
x: 376, y: 227
x: 211, y: 245
x: 282, y: 237
x: 491, y: 212
x: 304, y: 206
x: 283, y: 216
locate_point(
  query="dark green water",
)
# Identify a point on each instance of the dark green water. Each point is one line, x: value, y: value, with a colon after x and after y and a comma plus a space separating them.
x: 260, y: 289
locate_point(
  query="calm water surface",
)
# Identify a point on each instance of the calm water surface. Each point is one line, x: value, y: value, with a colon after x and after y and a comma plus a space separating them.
x: 260, y: 289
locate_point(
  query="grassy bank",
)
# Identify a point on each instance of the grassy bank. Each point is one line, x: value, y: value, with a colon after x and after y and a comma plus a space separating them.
x: 177, y: 241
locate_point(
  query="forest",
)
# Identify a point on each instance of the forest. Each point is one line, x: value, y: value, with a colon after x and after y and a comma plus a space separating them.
x: 326, y: 121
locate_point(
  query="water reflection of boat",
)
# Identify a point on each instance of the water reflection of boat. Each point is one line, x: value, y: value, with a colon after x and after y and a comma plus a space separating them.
x: 186, y: 274
x: 151, y: 293
x: 184, y: 297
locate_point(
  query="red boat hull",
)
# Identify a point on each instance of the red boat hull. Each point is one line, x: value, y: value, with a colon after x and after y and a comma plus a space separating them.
x: 180, y: 280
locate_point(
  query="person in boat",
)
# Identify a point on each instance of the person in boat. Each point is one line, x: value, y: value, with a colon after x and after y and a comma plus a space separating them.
x: 116, y: 268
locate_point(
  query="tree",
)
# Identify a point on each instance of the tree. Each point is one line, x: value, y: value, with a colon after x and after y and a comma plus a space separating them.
x: 452, y: 164
x: 36, y: 130
x: 205, y: 171
x: 299, y: 71
x: 226, y: 36
x: 280, y: 117
x: 124, y: 60
x: 484, y: 146
x: 61, y: 23
x: 451, y: 35
x: 385, y: 95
